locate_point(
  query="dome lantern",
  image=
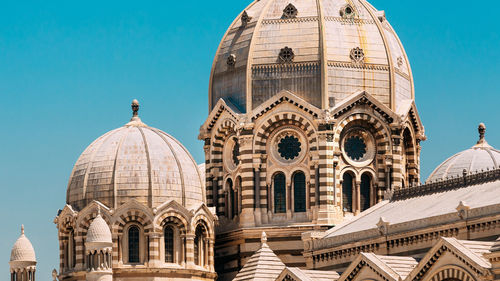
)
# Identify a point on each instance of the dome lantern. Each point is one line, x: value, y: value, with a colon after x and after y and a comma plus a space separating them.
x: 22, y: 259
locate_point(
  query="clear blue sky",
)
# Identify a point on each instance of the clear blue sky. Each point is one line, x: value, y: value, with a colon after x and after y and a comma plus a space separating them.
x: 69, y: 70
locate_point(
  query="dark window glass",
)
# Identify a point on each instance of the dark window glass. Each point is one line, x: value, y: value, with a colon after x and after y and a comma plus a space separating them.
x: 169, y: 244
x: 355, y: 147
x: 299, y: 192
x: 133, y: 244
x: 365, y: 192
x: 236, y: 152
x: 233, y: 202
x: 198, y: 247
x: 279, y: 193
x: 289, y: 147
x: 347, y: 192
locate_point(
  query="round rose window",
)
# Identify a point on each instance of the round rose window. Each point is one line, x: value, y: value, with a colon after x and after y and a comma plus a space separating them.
x: 289, y: 147
x: 358, y: 147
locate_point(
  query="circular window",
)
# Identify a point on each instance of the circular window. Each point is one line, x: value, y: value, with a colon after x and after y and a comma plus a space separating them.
x: 231, y: 153
x: 347, y: 12
x: 358, y: 147
x: 289, y: 147
x: 355, y: 147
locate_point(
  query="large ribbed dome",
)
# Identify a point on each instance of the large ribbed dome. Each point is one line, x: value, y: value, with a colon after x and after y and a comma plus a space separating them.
x: 322, y: 51
x: 135, y: 162
x: 480, y: 157
x: 22, y: 250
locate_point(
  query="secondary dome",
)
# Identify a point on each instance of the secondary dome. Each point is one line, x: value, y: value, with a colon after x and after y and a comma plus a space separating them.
x: 135, y: 162
x: 480, y: 157
x: 22, y: 249
x: 99, y: 231
x: 322, y: 51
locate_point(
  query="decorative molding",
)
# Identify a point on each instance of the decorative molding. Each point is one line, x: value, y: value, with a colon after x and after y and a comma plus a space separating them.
x: 349, y: 20
x: 291, y: 20
x: 368, y: 66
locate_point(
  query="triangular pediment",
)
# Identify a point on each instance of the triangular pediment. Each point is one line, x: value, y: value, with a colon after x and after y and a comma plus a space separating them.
x: 460, y: 253
x: 360, y: 98
x: 175, y: 206
x: 221, y: 107
x: 408, y: 111
x: 285, y: 97
x: 378, y: 266
x: 131, y: 205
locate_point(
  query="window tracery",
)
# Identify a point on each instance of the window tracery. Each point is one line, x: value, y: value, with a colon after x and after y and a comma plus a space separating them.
x: 286, y: 55
x: 289, y: 12
x: 357, y: 55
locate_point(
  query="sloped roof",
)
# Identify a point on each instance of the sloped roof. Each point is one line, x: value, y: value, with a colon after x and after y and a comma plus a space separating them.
x: 401, y: 265
x: 392, y: 267
x: 309, y: 275
x: 263, y: 265
x: 417, y: 211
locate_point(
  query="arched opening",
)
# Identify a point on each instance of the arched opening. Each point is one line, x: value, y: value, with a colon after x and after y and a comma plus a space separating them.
x: 299, y: 192
x: 238, y: 196
x: 279, y: 193
x: 200, y: 248
x: 229, y: 198
x: 234, y: 203
x: 168, y: 239
x: 365, y: 192
x: 408, y: 159
x: 133, y: 244
x: 347, y: 185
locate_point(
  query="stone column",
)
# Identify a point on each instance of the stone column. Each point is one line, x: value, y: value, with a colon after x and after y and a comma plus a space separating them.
x: 189, y: 250
x: 154, y: 249
x: 247, y: 218
x: 357, y: 197
x: 257, y: 190
x: 211, y: 261
x: 397, y: 165
x: 327, y: 211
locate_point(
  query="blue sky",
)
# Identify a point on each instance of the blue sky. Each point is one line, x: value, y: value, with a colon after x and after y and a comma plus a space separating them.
x: 69, y: 70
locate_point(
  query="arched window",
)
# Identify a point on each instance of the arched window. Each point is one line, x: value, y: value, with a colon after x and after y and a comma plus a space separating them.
x: 279, y: 193
x: 71, y: 250
x: 299, y: 192
x: 366, y: 183
x: 238, y: 195
x: 133, y: 244
x: 169, y: 244
x: 199, y: 246
x: 229, y: 198
x: 347, y: 192
x: 234, y: 204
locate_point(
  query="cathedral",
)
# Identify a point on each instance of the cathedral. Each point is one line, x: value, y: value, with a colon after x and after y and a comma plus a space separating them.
x: 311, y: 172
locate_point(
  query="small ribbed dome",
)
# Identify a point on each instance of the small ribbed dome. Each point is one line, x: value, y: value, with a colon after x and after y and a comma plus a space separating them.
x: 99, y: 231
x: 135, y: 162
x: 23, y: 250
x: 481, y: 156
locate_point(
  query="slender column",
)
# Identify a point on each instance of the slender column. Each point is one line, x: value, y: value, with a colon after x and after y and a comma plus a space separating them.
x: 211, y: 262
x: 357, y: 196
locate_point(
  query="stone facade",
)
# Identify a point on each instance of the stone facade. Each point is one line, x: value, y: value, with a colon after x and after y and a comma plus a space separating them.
x: 312, y: 121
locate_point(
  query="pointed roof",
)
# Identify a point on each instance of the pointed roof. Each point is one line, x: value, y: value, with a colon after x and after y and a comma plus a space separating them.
x: 390, y: 267
x: 99, y: 231
x: 22, y: 249
x: 263, y: 265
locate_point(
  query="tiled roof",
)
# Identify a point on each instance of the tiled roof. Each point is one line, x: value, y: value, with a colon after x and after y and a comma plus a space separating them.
x: 263, y: 265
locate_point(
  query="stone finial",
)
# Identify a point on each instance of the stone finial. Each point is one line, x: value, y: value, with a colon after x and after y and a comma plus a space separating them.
x: 22, y: 229
x: 463, y: 210
x: 263, y: 238
x: 482, y: 131
x: 98, y: 210
x: 135, y: 107
x: 54, y: 275
x: 383, y: 226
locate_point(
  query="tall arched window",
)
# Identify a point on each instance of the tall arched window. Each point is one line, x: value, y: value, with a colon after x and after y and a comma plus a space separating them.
x: 133, y: 244
x: 347, y: 192
x: 229, y: 198
x: 366, y: 183
x: 279, y: 193
x: 199, y: 246
x: 169, y: 244
x: 299, y: 192
x: 234, y: 204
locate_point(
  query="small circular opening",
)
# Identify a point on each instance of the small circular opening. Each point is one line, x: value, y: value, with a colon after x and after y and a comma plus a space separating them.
x: 348, y: 10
